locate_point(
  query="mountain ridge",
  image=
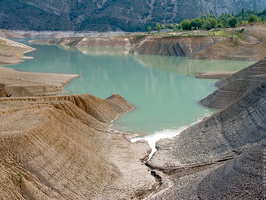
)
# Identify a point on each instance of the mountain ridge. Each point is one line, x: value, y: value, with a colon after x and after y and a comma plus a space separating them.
x: 106, y: 15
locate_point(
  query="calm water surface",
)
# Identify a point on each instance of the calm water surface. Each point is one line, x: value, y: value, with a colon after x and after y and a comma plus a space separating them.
x: 163, y: 89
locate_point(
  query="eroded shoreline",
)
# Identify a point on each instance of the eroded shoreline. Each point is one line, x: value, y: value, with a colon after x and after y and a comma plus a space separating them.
x: 200, y: 153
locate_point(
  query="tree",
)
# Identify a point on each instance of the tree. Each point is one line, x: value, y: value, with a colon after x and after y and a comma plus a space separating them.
x: 149, y: 29
x: 197, y: 23
x: 232, y: 22
x: 158, y: 27
x: 210, y: 23
x: 186, y: 24
x: 253, y: 19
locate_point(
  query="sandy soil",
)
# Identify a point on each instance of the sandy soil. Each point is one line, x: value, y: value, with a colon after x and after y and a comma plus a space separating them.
x: 215, y: 75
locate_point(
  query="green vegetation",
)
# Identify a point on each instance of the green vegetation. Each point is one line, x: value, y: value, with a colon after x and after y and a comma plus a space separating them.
x: 158, y: 27
x: 226, y: 20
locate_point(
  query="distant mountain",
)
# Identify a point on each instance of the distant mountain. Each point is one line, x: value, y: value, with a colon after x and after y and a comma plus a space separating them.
x: 104, y: 15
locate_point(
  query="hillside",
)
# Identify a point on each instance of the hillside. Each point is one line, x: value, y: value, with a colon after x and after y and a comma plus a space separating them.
x: 62, y: 147
x: 107, y: 15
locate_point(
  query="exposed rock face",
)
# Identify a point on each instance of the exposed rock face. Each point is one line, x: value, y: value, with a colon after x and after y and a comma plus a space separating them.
x: 61, y: 148
x: 209, y: 48
x: 237, y: 85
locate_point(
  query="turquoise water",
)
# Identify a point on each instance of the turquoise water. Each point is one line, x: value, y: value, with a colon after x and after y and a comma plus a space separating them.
x: 163, y: 89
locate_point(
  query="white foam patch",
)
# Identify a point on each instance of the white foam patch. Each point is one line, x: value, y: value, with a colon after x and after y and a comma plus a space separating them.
x: 166, y: 133
x: 153, y: 138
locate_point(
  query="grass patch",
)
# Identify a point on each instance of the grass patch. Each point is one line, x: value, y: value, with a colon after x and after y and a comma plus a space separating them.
x: 140, y: 37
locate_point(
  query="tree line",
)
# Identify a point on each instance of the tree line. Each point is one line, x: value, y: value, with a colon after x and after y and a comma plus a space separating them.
x: 208, y: 22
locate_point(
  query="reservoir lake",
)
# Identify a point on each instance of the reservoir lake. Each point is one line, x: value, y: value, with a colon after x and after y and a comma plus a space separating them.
x: 163, y: 89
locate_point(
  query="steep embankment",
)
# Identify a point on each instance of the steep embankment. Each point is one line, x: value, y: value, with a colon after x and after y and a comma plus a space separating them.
x: 229, y: 134
x: 203, y: 47
x: 61, y: 148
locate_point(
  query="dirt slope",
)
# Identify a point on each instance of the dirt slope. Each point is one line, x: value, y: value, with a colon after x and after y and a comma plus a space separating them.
x: 61, y: 148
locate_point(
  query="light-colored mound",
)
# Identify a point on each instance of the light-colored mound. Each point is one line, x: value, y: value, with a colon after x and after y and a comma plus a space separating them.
x: 12, y: 52
x: 61, y: 148
x: 14, y: 83
x: 9, y: 34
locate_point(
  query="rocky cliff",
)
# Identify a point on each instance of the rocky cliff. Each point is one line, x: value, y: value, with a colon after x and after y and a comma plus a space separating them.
x: 104, y: 15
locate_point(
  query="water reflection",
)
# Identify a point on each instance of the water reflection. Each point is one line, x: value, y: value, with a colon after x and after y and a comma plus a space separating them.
x: 188, y: 66
x: 164, y: 95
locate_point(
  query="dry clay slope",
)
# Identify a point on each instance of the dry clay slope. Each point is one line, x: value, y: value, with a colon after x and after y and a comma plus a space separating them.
x: 203, y: 47
x: 61, y: 147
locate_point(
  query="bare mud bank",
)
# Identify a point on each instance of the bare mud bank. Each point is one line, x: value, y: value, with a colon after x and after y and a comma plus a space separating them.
x: 62, y: 147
